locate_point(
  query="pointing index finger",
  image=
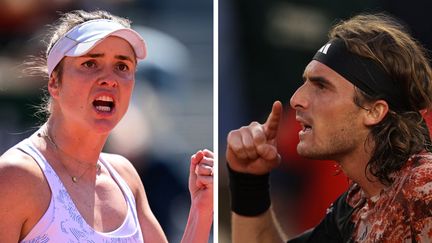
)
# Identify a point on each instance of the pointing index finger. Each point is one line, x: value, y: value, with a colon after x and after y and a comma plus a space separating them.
x: 273, y: 120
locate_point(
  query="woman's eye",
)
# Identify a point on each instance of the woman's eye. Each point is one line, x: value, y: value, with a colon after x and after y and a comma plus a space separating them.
x: 89, y: 64
x: 122, y: 67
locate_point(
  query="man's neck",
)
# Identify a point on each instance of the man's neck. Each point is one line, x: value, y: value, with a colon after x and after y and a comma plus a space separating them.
x: 355, y: 167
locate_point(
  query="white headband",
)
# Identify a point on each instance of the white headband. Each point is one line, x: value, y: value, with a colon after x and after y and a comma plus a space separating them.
x: 82, y: 38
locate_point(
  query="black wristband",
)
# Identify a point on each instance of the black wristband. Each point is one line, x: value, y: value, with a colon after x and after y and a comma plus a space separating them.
x: 250, y: 194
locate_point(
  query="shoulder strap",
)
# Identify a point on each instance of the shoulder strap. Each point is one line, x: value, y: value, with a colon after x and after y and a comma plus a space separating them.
x: 27, y: 147
x: 120, y: 181
x: 124, y: 187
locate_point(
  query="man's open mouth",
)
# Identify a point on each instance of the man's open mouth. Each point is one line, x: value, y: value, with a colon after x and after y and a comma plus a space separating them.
x: 306, y: 127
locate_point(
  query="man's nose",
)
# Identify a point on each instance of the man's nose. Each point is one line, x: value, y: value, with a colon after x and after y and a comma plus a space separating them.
x: 299, y: 98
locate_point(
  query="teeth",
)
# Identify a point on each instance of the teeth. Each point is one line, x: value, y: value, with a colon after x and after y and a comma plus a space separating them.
x: 103, y: 108
x: 105, y: 98
x: 306, y: 127
x: 104, y: 103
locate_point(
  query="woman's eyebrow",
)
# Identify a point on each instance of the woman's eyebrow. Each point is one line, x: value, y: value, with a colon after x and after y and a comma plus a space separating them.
x: 93, y: 55
x: 120, y: 57
x: 124, y: 58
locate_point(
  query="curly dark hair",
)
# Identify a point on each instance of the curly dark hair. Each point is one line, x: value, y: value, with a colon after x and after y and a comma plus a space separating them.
x: 400, y: 134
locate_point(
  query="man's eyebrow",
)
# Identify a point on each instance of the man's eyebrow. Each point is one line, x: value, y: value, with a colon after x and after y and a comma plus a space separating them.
x: 319, y: 80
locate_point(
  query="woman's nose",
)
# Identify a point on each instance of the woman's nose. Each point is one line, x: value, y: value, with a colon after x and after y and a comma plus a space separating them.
x: 108, y: 80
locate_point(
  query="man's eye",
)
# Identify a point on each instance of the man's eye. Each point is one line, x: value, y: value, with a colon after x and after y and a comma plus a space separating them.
x: 320, y: 85
x: 89, y: 64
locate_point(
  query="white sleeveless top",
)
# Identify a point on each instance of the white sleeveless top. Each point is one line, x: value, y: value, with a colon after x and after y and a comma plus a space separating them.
x: 62, y: 221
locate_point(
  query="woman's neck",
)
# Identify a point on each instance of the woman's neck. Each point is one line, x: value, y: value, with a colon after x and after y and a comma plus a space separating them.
x: 78, y: 143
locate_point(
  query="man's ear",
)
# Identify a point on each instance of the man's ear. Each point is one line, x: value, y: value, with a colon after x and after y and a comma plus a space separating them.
x: 54, y: 85
x: 376, y: 112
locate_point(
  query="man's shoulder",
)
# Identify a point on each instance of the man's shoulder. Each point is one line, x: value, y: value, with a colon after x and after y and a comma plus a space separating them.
x: 415, y: 194
x: 418, y: 181
x: 421, y: 165
x: 424, y: 156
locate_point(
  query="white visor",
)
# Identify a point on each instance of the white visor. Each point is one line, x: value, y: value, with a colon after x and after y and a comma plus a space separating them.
x: 82, y: 38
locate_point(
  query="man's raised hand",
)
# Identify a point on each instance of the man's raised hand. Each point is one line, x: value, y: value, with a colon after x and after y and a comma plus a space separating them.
x: 252, y: 149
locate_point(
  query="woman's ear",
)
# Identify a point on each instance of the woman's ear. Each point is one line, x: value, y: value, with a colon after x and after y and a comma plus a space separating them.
x: 54, y: 85
x: 376, y: 113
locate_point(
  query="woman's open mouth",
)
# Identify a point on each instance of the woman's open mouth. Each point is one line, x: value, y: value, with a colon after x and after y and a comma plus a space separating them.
x: 104, y: 103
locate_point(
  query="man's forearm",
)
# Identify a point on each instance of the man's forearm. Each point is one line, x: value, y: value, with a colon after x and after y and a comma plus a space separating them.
x: 261, y: 228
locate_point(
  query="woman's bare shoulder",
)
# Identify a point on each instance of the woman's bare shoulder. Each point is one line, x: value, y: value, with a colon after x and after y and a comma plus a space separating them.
x: 19, y: 168
x: 22, y: 185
